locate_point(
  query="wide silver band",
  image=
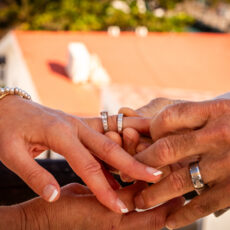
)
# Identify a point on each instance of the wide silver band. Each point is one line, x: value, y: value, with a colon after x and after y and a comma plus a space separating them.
x: 196, y: 177
x: 120, y: 122
x: 199, y: 185
x: 104, y: 118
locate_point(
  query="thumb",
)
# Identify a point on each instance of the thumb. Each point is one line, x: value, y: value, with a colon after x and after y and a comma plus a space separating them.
x: 128, y: 194
x: 35, y: 176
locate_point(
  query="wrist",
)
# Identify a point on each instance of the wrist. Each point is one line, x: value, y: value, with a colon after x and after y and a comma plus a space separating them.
x: 11, y: 217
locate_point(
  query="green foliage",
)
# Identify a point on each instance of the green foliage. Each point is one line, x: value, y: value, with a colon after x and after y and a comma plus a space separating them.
x: 85, y: 15
x: 168, y: 4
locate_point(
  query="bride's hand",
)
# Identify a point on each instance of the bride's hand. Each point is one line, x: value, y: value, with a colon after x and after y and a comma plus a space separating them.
x: 27, y: 129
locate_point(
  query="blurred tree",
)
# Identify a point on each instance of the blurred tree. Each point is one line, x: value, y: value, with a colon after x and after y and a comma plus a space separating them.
x: 85, y: 15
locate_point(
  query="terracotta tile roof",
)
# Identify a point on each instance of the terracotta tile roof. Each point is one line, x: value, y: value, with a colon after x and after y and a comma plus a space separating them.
x: 198, y: 62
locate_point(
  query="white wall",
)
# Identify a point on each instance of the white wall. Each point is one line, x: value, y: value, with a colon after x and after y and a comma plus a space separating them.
x: 219, y: 223
x: 17, y: 73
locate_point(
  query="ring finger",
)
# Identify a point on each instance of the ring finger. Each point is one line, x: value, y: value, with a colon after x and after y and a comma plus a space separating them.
x: 177, y: 183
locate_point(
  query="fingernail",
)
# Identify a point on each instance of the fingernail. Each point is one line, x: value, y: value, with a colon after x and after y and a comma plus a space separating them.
x: 168, y: 228
x: 122, y: 206
x: 139, y: 202
x: 126, y: 178
x: 170, y: 224
x: 153, y: 171
x: 50, y: 192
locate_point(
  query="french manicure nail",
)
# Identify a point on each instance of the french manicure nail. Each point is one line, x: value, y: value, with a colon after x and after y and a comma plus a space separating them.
x: 153, y: 171
x: 50, y: 192
x: 168, y: 228
x: 171, y: 225
x: 122, y: 206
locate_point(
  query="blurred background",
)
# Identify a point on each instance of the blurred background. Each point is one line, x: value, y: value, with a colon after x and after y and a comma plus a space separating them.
x: 83, y: 56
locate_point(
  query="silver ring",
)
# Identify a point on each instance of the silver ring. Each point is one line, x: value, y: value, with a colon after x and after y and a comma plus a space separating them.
x: 104, y: 118
x: 120, y: 122
x: 200, y: 186
x: 196, y: 177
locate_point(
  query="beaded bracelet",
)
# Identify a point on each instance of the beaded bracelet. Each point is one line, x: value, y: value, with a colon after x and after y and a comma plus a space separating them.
x: 14, y: 91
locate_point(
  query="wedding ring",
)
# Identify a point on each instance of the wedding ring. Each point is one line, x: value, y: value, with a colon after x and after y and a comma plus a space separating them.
x: 196, y: 177
x: 104, y: 118
x: 120, y: 122
x: 200, y: 186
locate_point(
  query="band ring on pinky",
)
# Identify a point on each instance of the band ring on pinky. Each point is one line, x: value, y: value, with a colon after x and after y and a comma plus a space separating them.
x: 120, y: 122
x: 196, y: 177
x: 104, y: 118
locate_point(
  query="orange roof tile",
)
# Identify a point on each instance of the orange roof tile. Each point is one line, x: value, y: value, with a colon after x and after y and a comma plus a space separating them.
x: 166, y: 60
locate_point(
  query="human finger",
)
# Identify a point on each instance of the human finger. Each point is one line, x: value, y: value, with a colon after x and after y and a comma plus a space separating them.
x: 179, y: 182
x: 112, y: 181
x: 171, y: 149
x: 114, y: 136
x: 150, y: 220
x: 186, y: 115
x: 36, y: 177
x: 209, y: 201
x: 128, y: 193
x: 141, y: 124
x: 174, y: 185
x: 114, y: 155
x: 130, y: 140
x: 90, y: 170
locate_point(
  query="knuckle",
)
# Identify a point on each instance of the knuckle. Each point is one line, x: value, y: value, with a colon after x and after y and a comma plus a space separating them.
x: 219, y: 106
x: 166, y: 115
x: 177, y: 182
x: 129, y: 134
x: 147, y: 197
x: 54, y: 123
x: 33, y: 175
x: 92, y: 168
x: 184, y: 107
x: 224, y: 132
x: 158, y: 100
x: 109, y: 147
x: 164, y: 150
x: 156, y: 222
x: 131, y: 169
x: 201, y: 209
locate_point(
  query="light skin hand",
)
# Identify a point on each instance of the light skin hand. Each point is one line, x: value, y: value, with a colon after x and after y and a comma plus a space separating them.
x: 78, y: 209
x: 206, y: 139
x: 29, y: 128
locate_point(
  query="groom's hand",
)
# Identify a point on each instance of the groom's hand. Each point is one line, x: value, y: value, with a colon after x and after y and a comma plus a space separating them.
x: 78, y: 209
